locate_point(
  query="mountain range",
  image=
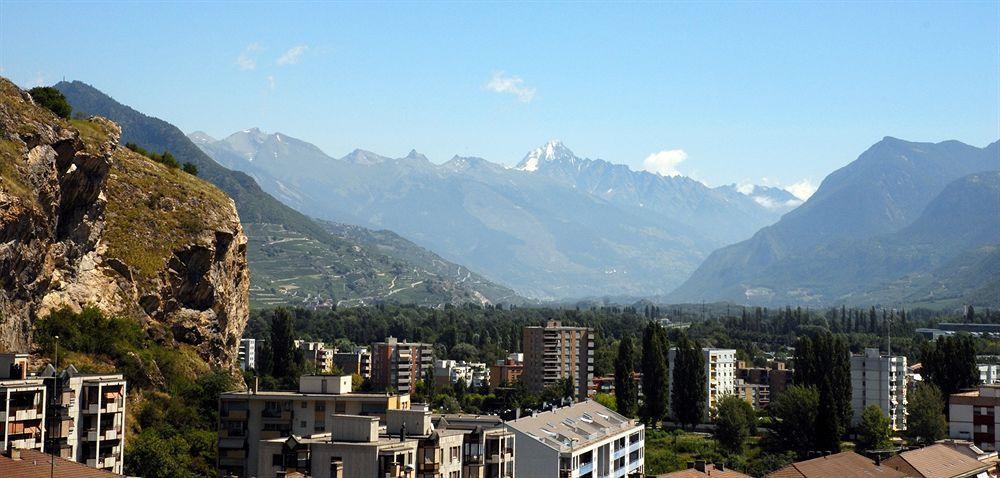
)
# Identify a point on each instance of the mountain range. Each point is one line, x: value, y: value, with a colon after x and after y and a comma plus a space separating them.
x: 294, y: 259
x: 904, y: 223
x: 556, y: 226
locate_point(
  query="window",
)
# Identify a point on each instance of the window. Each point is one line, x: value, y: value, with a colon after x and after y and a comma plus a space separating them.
x: 305, y: 404
x: 302, y: 424
x: 340, y: 407
x: 320, y: 406
x: 276, y: 460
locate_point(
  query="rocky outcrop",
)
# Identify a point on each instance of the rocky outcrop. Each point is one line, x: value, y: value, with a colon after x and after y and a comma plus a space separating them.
x: 85, y: 221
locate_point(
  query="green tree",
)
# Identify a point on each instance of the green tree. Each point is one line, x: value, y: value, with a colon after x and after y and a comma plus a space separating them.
x: 51, y: 99
x: 794, y: 418
x: 926, y: 422
x: 282, y: 343
x: 735, y: 418
x: 688, y: 393
x: 824, y: 362
x: 626, y: 390
x: 190, y: 168
x: 874, y: 429
x: 608, y: 400
x: 950, y: 363
x: 654, y: 374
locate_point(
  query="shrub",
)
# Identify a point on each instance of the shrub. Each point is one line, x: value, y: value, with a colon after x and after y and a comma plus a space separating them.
x: 51, y: 99
x: 190, y: 168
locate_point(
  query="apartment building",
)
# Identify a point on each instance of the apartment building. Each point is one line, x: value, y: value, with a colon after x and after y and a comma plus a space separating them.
x: 353, y: 448
x: 22, y: 405
x: 775, y: 376
x: 87, y: 423
x: 988, y: 373
x: 507, y: 371
x: 879, y: 380
x: 439, y: 451
x: 720, y: 375
x: 487, y: 448
x: 247, y: 356
x: 317, y: 354
x: 475, y: 374
x: 755, y: 394
x: 398, y: 365
x: 554, y: 352
x: 248, y: 417
x: 356, y: 361
x: 973, y: 416
x: 583, y: 440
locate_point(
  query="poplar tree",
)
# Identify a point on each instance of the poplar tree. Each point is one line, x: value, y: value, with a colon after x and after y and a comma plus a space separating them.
x: 689, y: 393
x: 654, y: 374
x: 626, y: 391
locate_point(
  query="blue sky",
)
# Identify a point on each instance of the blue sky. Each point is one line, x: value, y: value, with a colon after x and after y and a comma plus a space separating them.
x: 724, y: 92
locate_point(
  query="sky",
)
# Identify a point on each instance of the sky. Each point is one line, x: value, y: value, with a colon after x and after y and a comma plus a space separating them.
x: 775, y: 93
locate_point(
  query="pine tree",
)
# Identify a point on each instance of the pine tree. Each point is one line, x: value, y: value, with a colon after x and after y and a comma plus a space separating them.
x: 626, y: 391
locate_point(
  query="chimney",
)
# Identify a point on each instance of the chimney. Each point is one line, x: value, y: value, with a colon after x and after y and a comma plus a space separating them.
x: 256, y: 384
x: 878, y: 459
x: 699, y: 465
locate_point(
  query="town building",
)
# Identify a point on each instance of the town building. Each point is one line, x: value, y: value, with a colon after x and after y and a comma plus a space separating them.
x: 475, y: 374
x: 247, y: 355
x: 720, y: 375
x: 317, y: 354
x: 582, y: 440
x: 23, y: 405
x: 702, y: 469
x: 16, y: 463
x: 554, y: 352
x: 879, y: 380
x: 988, y: 373
x: 507, y: 371
x: 937, y: 461
x: 758, y: 395
x: 439, y: 452
x: 975, y: 416
x: 398, y: 365
x: 840, y: 465
x: 246, y: 418
x: 356, y: 361
x: 87, y: 422
x: 775, y: 376
x: 487, y: 448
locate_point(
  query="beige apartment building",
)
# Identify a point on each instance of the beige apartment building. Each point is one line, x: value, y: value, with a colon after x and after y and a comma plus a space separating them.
x: 553, y: 352
x: 247, y: 418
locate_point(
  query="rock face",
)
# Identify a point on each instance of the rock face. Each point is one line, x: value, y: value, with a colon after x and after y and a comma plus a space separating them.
x: 85, y: 221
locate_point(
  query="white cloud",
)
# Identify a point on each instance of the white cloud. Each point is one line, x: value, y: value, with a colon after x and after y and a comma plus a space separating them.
x: 501, y: 83
x: 246, y: 60
x: 802, y: 189
x: 665, y: 162
x: 293, y: 55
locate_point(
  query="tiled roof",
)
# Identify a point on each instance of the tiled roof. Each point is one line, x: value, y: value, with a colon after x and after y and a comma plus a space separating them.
x: 841, y: 465
x: 710, y: 471
x: 35, y: 464
x: 937, y: 461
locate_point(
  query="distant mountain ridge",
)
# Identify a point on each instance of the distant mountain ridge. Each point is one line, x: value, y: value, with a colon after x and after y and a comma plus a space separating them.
x: 557, y: 226
x: 293, y: 259
x: 884, y: 229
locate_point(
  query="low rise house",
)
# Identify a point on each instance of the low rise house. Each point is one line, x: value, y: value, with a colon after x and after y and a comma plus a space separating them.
x: 701, y: 469
x: 841, y: 465
x: 937, y: 461
x: 582, y: 440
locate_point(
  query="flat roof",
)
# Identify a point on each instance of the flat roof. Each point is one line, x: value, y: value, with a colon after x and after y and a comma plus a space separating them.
x: 575, y: 426
x: 290, y: 394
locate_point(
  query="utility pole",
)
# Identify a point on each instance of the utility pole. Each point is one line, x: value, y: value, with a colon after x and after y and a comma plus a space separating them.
x: 52, y: 405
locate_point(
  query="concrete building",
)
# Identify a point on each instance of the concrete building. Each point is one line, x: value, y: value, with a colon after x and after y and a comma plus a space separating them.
x: 353, y: 448
x: 398, y: 365
x: 775, y: 375
x: 583, y: 440
x: 755, y: 394
x: 475, y: 374
x: 975, y: 416
x: 356, y: 361
x: 554, y: 352
x: 317, y: 354
x: 439, y: 452
x: 247, y: 356
x: 22, y: 405
x: 879, y: 380
x: 507, y: 371
x: 246, y: 418
x: 988, y: 373
x: 720, y: 375
x: 87, y: 423
x: 488, y: 449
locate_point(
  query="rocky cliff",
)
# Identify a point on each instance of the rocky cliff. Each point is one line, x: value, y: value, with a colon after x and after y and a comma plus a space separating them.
x: 86, y: 221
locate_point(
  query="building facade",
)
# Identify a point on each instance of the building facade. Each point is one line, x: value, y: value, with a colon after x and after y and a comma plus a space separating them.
x: 23, y: 405
x: 975, y: 416
x: 475, y: 374
x: 247, y: 356
x: 775, y: 376
x: 583, y: 440
x: 246, y: 418
x: 720, y: 375
x: 356, y: 361
x: 879, y: 380
x: 555, y: 352
x: 398, y: 365
x: 507, y: 371
x: 317, y: 354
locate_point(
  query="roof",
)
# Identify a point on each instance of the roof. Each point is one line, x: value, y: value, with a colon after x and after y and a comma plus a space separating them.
x: 272, y: 394
x: 841, y: 465
x: 35, y: 464
x: 575, y: 426
x: 937, y: 461
x: 710, y: 470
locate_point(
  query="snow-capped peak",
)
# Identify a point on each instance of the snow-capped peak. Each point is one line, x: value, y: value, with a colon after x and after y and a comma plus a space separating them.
x: 552, y: 151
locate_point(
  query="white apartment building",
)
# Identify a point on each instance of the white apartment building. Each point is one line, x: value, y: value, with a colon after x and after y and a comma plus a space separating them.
x: 475, y: 374
x: 720, y: 375
x: 583, y: 440
x: 248, y: 354
x: 879, y: 380
x: 988, y: 373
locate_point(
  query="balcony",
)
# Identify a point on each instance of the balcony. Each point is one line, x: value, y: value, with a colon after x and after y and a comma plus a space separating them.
x: 235, y: 415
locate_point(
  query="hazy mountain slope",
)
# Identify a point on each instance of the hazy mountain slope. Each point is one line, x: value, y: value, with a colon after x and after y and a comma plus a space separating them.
x: 546, y: 235
x: 292, y: 258
x: 868, y: 233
